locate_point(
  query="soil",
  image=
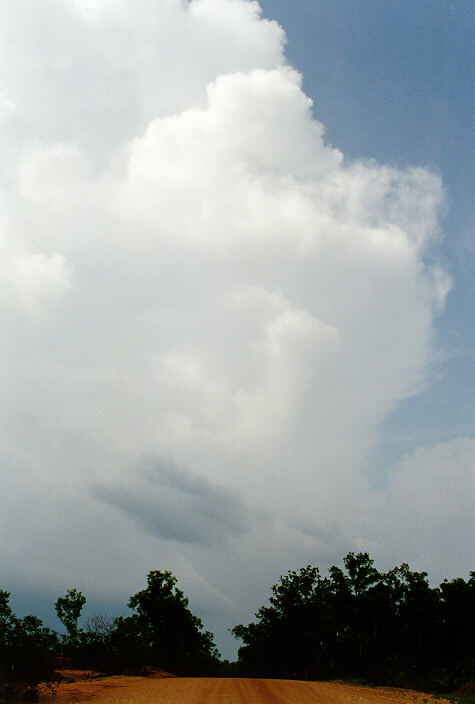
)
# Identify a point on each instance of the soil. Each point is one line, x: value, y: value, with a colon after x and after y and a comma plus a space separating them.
x: 157, y: 689
x: 466, y: 690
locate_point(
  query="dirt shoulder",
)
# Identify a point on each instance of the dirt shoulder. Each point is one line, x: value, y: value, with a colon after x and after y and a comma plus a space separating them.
x: 160, y: 690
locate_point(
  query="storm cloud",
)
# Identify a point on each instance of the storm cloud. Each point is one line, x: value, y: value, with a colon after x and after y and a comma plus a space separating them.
x: 174, y: 504
x: 190, y: 271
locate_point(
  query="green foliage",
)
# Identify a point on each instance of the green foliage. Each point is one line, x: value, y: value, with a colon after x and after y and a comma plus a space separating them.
x: 68, y: 609
x: 389, y: 628
x: 26, y: 649
x: 162, y: 633
x: 165, y: 626
x: 354, y: 623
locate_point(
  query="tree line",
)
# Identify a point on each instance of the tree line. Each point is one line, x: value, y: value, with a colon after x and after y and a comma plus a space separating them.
x: 385, y: 628
x: 162, y: 632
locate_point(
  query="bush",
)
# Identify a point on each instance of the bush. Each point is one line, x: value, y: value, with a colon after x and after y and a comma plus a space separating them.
x: 26, y: 652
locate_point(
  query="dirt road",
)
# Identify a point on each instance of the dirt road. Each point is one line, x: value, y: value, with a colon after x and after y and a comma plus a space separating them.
x: 148, y: 690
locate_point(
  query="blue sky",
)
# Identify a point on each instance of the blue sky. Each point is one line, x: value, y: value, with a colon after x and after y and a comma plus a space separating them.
x: 394, y: 81
x: 230, y: 345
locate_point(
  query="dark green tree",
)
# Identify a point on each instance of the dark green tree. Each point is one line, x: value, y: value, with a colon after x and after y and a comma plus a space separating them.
x: 68, y: 609
x: 294, y: 633
x: 164, y: 630
x: 457, y: 628
x: 388, y: 628
x: 26, y: 650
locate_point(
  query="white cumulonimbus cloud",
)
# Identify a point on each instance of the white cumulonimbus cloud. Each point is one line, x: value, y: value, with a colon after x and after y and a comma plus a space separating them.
x: 208, y: 310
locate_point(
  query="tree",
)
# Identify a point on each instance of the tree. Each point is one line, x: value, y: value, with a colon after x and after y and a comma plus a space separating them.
x: 100, y: 624
x: 163, y: 623
x: 161, y: 633
x: 292, y: 637
x: 69, y: 609
x: 388, y: 628
x: 458, y: 627
x: 26, y: 649
x: 7, y: 624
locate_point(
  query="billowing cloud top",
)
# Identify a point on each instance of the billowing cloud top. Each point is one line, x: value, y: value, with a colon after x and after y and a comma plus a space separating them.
x: 190, y: 272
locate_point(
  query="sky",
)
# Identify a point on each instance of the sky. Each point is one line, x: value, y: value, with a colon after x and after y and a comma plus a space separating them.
x: 236, y: 295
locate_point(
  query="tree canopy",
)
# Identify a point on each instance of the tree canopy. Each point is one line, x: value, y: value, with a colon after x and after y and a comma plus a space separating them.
x: 353, y: 622
x: 26, y: 649
x: 68, y: 609
x: 162, y: 632
x: 166, y: 626
x: 386, y: 627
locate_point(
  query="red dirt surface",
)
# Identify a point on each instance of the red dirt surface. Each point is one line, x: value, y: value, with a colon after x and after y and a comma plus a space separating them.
x: 162, y: 690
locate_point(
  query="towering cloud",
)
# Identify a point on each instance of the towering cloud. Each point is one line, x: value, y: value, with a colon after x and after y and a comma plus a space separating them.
x: 195, y: 281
